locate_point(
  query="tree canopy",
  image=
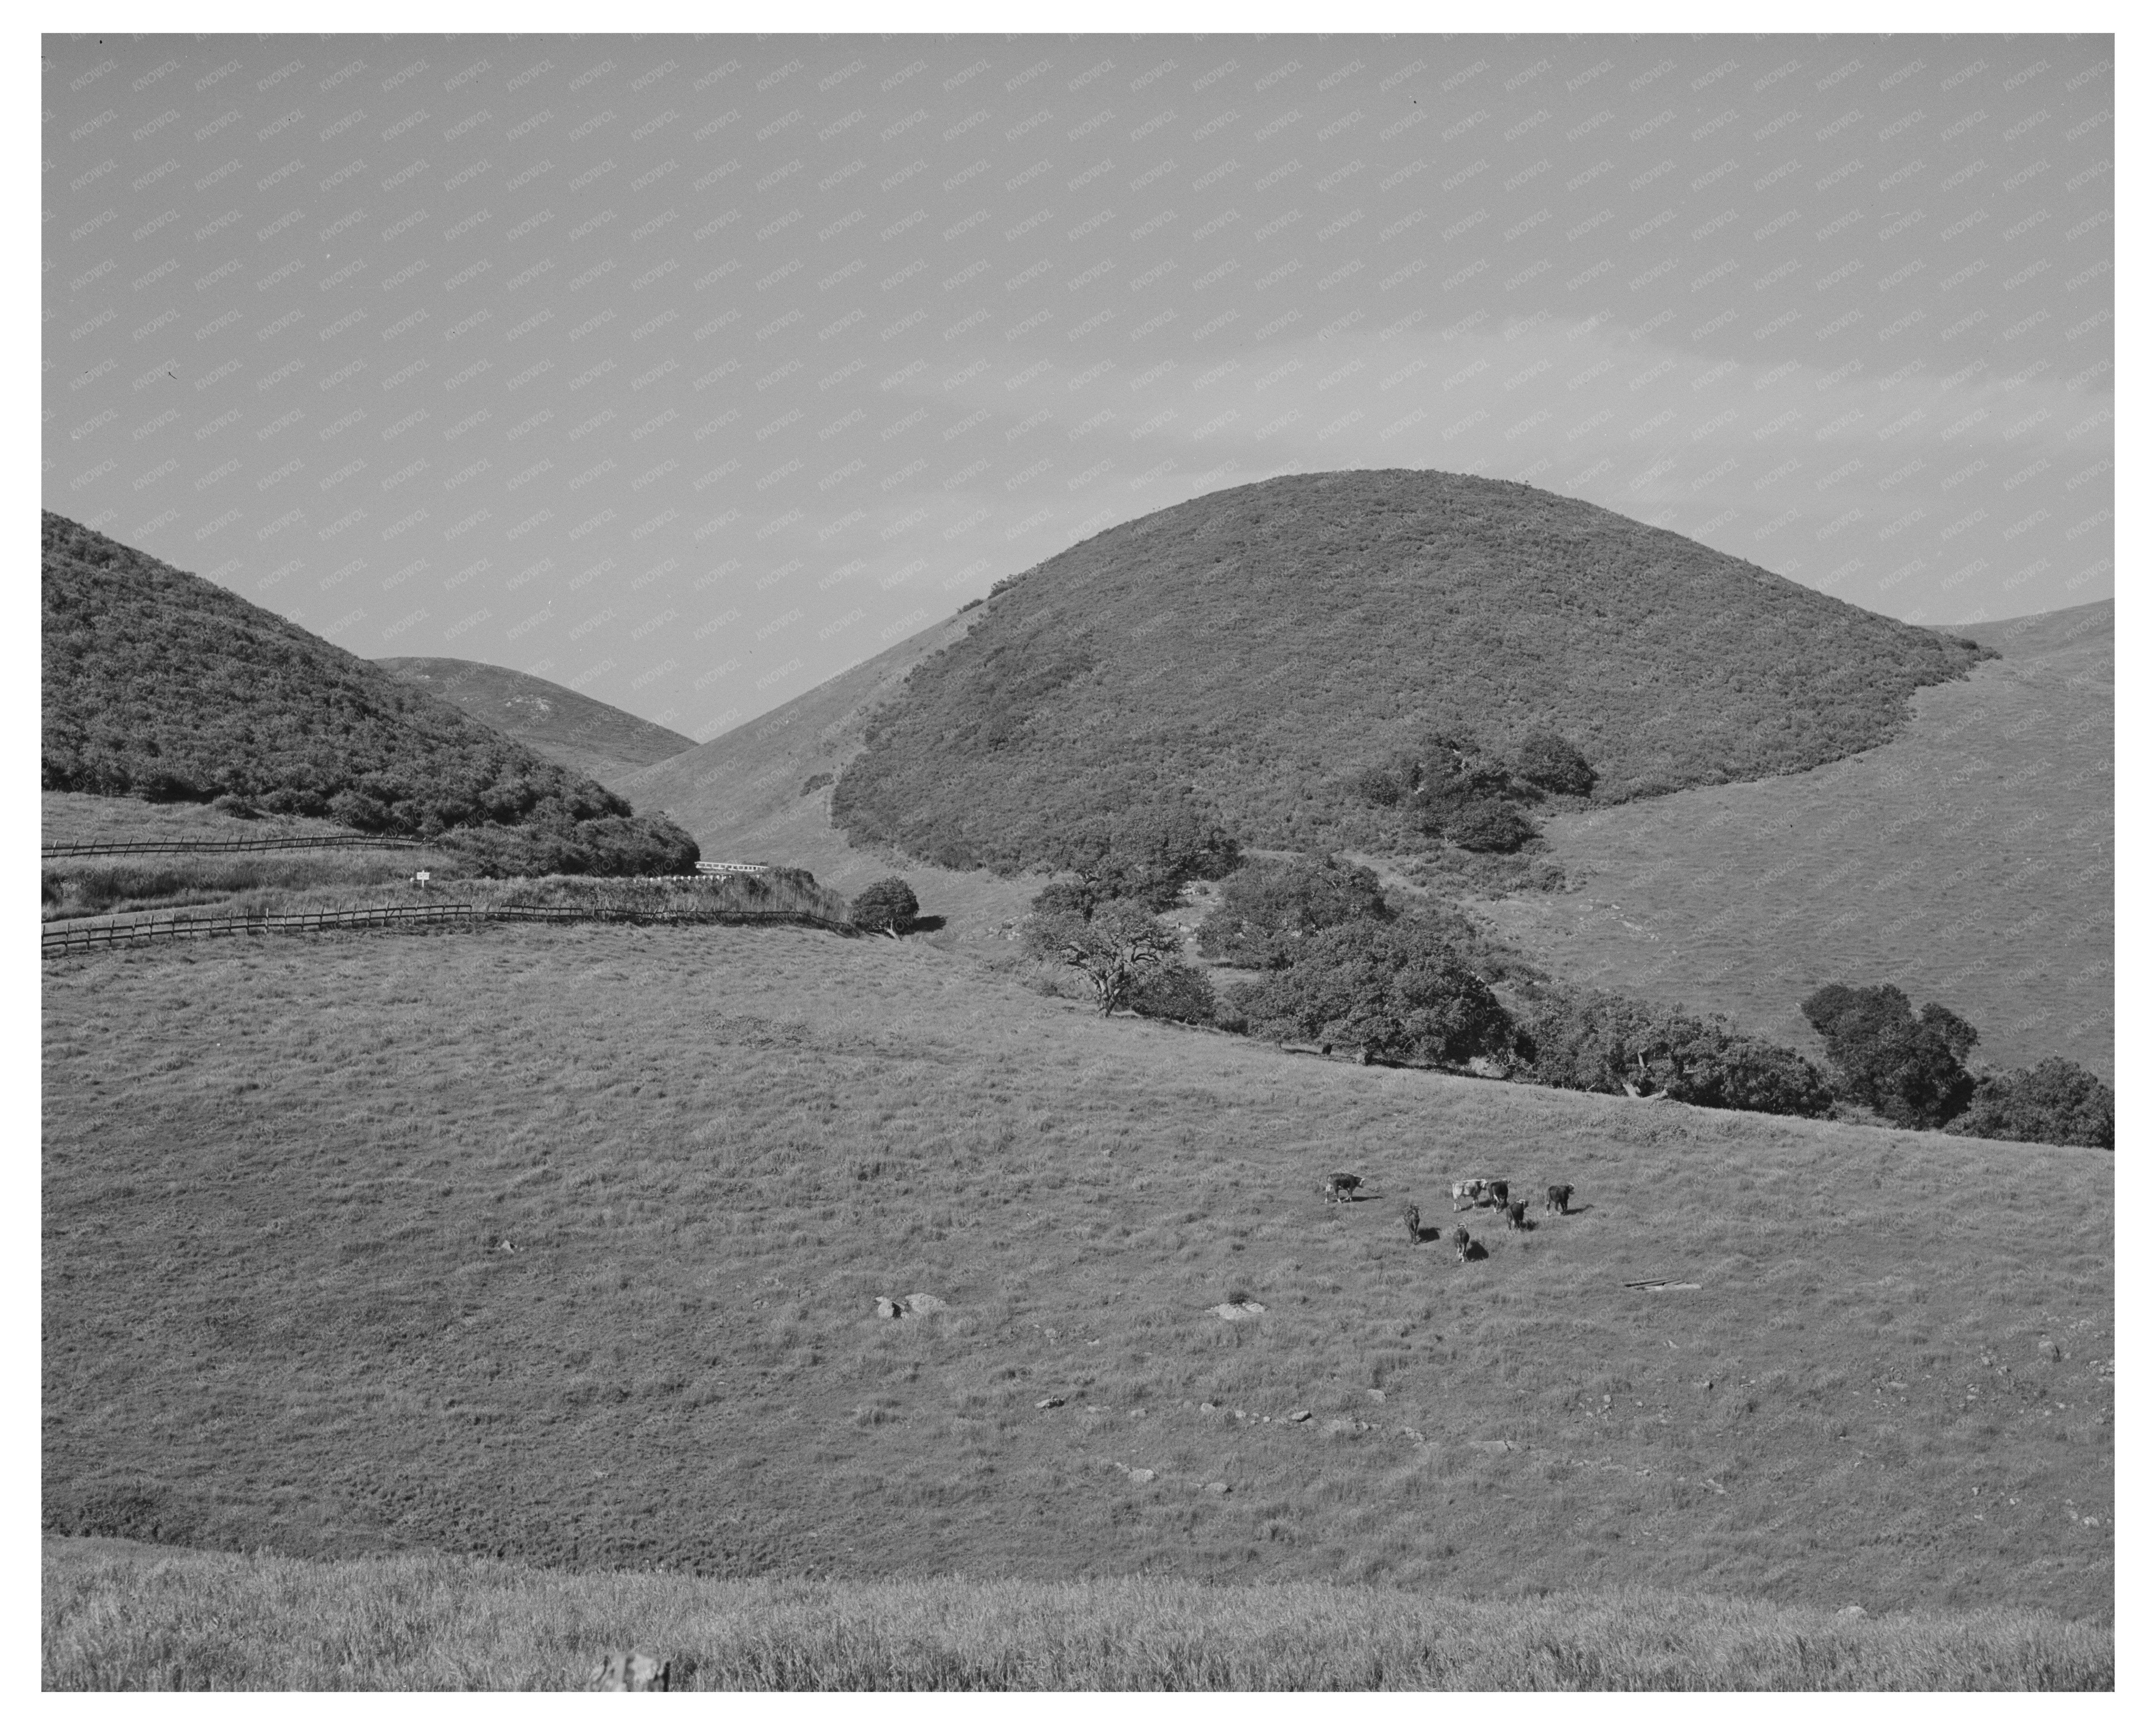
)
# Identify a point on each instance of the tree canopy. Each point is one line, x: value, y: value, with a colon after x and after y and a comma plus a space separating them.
x: 1268, y: 908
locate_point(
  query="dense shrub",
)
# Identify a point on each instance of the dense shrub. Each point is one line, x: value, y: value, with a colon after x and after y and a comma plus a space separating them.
x: 1115, y: 949
x: 1610, y: 1043
x: 1550, y: 762
x: 2054, y: 1101
x: 888, y: 907
x: 1488, y: 825
x: 1149, y: 852
x: 160, y: 684
x: 1906, y: 1064
x: 1402, y: 990
x: 1266, y: 641
x: 1268, y: 909
x: 1175, y: 992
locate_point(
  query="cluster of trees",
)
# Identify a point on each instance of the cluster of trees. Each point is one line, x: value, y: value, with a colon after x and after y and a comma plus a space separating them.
x: 1586, y: 1039
x: 1453, y: 788
x: 1911, y: 1068
x: 1339, y: 965
x: 159, y: 683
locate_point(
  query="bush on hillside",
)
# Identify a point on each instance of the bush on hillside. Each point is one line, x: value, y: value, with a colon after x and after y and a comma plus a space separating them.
x: 1149, y: 852
x: 2054, y: 1101
x: 887, y: 907
x: 160, y: 684
x: 1175, y: 992
x: 1116, y: 948
x: 1548, y: 761
x: 1402, y: 990
x: 1268, y: 909
x: 1487, y: 825
x: 1612, y: 1044
x: 1907, y: 1065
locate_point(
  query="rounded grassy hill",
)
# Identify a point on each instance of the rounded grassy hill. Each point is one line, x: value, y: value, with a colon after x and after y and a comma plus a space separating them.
x: 1261, y: 646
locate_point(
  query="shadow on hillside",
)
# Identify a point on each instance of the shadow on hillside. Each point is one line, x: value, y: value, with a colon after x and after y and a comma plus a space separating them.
x: 925, y: 924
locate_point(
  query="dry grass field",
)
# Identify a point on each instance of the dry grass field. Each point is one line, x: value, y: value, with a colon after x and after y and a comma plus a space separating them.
x: 564, y: 1246
x: 73, y: 818
x: 1969, y: 861
x: 120, y: 1615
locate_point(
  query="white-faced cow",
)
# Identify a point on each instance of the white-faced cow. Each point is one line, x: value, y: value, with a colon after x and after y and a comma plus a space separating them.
x: 1466, y: 1193
x: 1340, y: 1189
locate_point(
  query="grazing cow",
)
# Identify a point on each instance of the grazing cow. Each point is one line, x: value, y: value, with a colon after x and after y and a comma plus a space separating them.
x: 1501, y: 1194
x: 1468, y: 1192
x: 1340, y: 1189
x: 1412, y: 1217
x: 1516, y: 1214
x: 631, y: 1672
x: 1557, y: 1201
x: 1460, y: 1242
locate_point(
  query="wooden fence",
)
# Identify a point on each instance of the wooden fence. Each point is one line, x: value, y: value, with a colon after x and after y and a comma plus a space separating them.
x: 174, y: 847
x: 68, y: 938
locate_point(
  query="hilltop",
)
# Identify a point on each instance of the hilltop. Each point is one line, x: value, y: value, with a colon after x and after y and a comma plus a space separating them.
x: 160, y: 685
x: 1969, y: 860
x: 589, y: 738
x: 1265, y: 645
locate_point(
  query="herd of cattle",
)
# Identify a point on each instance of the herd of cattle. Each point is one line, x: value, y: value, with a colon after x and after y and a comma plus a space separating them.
x: 1557, y: 1201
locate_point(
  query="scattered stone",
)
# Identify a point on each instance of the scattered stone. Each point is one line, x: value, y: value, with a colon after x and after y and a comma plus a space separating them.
x: 1298, y: 1416
x: 1377, y: 1395
x: 1048, y: 1401
x: 886, y: 1307
x: 631, y: 1673
x: 1674, y: 1287
x: 1412, y: 1434
x: 925, y: 1302
x: 1142, y: 1476
x: 1341, y: 1427
x: 1219, y: 1486
x: 1235, y: 1312
x: 1852, y: 1611
x: 1207, y: 1408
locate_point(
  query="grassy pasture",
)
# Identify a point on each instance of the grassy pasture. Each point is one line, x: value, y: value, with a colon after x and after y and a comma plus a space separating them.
x: 1969, y: 860
x: 77, y: 817
x: 119, y: 1615
x: 279, y: 1176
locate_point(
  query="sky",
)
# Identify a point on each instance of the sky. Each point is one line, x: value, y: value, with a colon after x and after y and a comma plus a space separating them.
x: 688, y: 371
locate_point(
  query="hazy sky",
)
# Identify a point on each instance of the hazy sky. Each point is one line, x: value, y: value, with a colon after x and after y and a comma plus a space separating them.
x: 688, y: 371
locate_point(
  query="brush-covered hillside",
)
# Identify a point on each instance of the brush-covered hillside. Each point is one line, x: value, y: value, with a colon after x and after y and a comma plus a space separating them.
x: 161, y: 685
x: 589, y: 738
x: 1265, y: 645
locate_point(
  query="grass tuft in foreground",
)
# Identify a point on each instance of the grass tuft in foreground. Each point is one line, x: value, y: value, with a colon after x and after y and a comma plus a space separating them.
x: 126, y: 1617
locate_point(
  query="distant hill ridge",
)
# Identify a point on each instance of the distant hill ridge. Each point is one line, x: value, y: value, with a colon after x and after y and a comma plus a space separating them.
x: 1261, y: 645
x: 588, y: 736
x: 157, y: 683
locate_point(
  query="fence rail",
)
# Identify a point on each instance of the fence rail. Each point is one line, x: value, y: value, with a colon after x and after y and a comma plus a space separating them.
x: 174, y: 847
x: 60, y: 941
